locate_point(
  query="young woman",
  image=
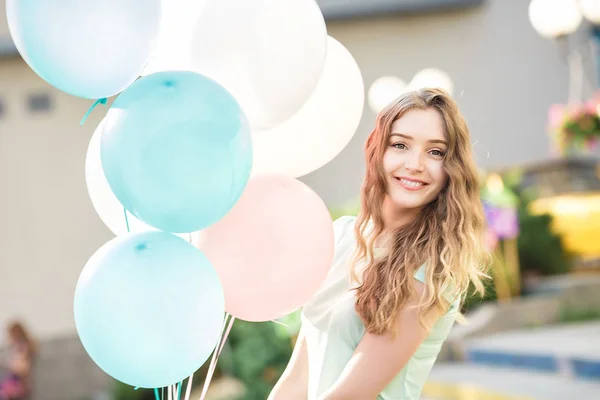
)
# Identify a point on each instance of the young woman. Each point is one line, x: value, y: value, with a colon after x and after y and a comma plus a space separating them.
x: 17, y: 384
x: 401, y: 268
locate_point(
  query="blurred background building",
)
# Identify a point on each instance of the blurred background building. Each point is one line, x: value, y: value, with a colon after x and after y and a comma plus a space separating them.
x: 505, y: 77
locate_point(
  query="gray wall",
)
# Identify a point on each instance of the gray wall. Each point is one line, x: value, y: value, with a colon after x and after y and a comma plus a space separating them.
x: 342, y: 9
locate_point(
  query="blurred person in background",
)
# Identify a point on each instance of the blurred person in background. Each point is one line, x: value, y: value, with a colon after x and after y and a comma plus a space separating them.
x: 401, y: 267
x: 15, y: 383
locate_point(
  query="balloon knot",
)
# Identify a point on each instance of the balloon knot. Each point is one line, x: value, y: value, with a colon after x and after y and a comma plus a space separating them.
x: 141, y: 247
x: 87, y: 114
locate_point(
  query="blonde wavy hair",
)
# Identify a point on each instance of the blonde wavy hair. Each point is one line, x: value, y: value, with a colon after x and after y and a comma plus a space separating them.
x: 447, y: 234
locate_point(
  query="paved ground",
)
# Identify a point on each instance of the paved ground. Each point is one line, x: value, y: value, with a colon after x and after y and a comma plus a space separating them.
x: 533, y: 364
x: 505, y: 383
x: 572, y: 340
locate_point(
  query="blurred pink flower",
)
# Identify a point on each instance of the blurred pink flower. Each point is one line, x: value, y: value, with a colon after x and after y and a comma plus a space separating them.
x: 591, y: 107
x: 574, y: 127
x: 556, y: 114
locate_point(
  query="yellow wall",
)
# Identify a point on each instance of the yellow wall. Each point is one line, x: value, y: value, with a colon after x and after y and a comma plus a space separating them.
x: 577, y: 218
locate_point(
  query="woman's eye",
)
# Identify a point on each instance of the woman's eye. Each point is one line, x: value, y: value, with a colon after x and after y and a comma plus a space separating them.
x: 399, y: 146
x: 437, y: 153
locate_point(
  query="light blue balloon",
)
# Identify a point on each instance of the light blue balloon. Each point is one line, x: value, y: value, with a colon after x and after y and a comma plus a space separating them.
x: 149, y: 308
x: 176, y: 150
x: 88, y: 48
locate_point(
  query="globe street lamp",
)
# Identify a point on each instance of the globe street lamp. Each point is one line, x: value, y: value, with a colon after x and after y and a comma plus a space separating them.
x: 558, y: 19
x: 555, y: 18
x: 591, y: 10
x: 387, y: 88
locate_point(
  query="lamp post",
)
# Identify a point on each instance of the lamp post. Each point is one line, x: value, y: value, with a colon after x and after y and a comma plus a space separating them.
x: 591, y: 11
x: 558, y: 19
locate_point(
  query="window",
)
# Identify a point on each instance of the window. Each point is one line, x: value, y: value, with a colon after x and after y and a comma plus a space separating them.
x: 39, y: 103
x: 341, y: 9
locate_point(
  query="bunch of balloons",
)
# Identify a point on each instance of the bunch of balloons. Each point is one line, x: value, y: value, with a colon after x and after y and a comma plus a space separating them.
x: 220, y: 105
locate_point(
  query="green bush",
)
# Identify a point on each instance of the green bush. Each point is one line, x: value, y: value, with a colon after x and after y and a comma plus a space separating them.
x: 349, y: 208
x: 540, y: 250
x: 473, y: 298
x: 568, y: 315
x: 257, y: 354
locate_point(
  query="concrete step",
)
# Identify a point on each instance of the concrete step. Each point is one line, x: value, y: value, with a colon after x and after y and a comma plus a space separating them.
x: 465, y: 381
x: 569, y: 350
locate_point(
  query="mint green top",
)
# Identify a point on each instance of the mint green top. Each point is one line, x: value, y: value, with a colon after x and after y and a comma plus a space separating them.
x: 333, y: 329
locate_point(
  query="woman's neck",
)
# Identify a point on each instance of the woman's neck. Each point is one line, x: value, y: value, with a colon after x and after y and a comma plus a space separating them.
x: 395, y: 218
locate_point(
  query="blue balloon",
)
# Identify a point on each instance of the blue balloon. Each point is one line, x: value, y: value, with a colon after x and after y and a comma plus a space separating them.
x: 149, y: 309
x: 88, y: 48
x: 176, y: 150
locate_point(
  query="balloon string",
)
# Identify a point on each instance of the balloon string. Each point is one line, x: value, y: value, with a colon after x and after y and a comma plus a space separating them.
x: 156, y: 394
x: 179, y: 390
x: 188, y: 390
x: 126, y: 219
x: 216, y: 354
x: 280, y: 323
x: 87, y: 114
x: 225, y: 337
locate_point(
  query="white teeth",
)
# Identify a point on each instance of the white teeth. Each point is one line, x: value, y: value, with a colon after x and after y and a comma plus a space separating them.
x: 411, y: 183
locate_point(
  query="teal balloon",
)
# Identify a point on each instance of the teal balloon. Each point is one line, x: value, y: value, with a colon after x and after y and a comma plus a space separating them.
x: 176, y: 150
x: 149, y: 309
x: 88, y: 48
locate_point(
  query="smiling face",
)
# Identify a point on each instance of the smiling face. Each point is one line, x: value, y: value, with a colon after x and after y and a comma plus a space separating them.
x: 413, y: 162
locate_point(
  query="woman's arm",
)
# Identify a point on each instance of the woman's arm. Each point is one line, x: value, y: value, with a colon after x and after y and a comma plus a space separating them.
x: 293, y: 384
x: 379, y: 358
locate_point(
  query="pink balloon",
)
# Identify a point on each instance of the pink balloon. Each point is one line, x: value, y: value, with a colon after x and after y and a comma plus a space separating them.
x: 273, y: 250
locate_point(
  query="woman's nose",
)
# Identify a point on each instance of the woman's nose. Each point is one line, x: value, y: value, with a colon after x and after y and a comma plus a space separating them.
x: 414, y: 162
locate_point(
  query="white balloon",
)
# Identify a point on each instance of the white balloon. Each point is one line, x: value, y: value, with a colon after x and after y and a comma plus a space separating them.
x: 554, y: 18
x: 268, y: 53
x: 590, y: 10
x: 88, y: 48
x: 108, y: 208
x: 173, y: 51
x: 323, y: 126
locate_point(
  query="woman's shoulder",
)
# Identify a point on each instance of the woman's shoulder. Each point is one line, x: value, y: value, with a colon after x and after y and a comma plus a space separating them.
x: 420, y: 275
x: 342, y: 226
x: 345, y: 220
